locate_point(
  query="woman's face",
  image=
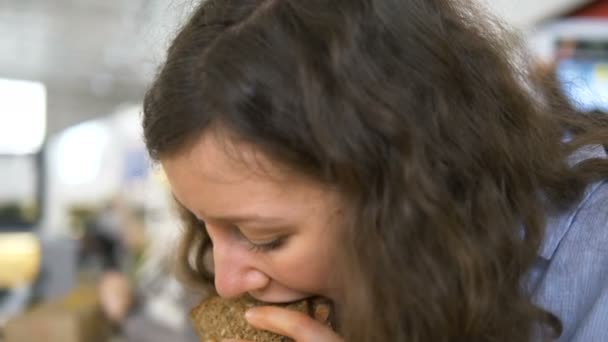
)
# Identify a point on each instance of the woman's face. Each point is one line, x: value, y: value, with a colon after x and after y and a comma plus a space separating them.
x: 274, y: 233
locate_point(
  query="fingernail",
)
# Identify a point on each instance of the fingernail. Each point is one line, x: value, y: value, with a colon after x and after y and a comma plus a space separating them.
x: 250, y: 314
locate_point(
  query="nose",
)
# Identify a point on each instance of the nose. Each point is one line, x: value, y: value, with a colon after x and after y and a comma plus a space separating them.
x: 235, y: 273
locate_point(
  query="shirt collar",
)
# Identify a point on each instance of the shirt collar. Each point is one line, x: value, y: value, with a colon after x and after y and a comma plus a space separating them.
x: 558, y: 225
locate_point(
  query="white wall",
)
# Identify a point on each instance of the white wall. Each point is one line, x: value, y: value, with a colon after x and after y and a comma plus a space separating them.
x: 87, y: 164
x: 17, y: 178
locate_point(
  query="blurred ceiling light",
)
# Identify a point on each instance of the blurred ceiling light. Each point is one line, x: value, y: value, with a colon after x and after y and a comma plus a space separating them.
x: 80, y: 151
x: 22, y: 116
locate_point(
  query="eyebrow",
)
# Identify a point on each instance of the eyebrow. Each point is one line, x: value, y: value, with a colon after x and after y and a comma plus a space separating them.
x: 248, y: 218
x: 239, y: 219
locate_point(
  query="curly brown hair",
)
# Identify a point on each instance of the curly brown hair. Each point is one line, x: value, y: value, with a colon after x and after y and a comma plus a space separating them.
x: 450, y: 153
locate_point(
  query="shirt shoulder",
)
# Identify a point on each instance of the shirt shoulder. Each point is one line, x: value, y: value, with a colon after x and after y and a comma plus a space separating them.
x: 589, y: 224
x: 573, y: 278
x: 588, y: 211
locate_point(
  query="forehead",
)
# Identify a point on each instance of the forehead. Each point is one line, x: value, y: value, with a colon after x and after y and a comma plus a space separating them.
x: 219, y: 157
x: 217, y: 174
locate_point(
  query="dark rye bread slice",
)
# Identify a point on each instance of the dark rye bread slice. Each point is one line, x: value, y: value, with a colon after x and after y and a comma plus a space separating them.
x: 216, y: 318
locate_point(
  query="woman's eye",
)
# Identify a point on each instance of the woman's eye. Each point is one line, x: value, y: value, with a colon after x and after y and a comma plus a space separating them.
x: 266, y: 246
x: 259, y: 246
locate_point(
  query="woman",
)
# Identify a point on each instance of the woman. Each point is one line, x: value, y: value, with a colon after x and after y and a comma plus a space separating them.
x: 390, y: 155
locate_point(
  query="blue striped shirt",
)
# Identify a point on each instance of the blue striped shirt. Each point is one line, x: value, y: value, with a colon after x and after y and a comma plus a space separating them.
x: 570, y: 277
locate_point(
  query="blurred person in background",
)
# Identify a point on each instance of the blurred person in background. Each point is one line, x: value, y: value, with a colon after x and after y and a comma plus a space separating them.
x: 104, y: 250
x: 394, y: 156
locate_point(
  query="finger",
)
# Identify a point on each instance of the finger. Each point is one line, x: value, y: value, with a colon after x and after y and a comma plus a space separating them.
x: 296, y: 325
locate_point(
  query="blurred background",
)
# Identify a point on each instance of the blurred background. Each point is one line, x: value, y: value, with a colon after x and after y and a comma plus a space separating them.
x: 86, y: 227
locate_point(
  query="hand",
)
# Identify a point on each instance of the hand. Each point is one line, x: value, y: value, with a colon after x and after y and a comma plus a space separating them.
x: 296, y: 325
x: 115, y: 296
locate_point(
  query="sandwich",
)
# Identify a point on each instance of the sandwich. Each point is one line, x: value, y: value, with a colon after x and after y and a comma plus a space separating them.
x: 216, y: 318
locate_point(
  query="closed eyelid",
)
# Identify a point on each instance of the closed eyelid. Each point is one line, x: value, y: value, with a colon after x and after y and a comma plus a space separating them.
x: 267, y: 238
x: 269, y: 246
x: 267, y: 228
x: 253, y: 234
